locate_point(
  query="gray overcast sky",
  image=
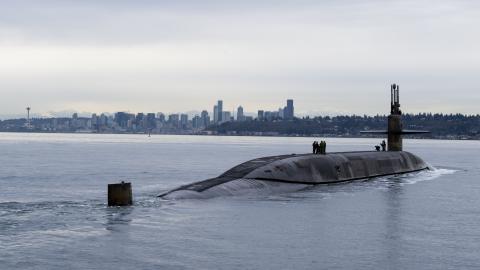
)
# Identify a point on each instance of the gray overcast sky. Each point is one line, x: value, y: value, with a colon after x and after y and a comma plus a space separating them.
x: 173, y: 56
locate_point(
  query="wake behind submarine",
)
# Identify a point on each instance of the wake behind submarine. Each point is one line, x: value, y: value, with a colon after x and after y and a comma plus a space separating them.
x: 297, y: 171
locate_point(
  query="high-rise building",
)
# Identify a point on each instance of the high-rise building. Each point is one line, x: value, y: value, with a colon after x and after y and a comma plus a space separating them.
x: 110, y: 121
x: 139, y: 121
x: 197, y: 122
x: 150, y: 121
x: 240, y: 116
x: 288, y: 112
x: 94, y: 121
x: 270, y: 116
x: 184, y: 121
x: 161, y: 117
x: 205, y: 119
x: 215, y: 114
x: 55, y: 124
x: 121, y: 118
x: 226, y: 117
x: 103, y: 120
x: 260, y: 115
x: 174, y: 120
x: 281, y: 113
x: 220, y: 110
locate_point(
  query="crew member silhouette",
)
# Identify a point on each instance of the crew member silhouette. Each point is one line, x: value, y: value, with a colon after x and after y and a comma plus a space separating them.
x: 315, y: 147
x: 384, y: 146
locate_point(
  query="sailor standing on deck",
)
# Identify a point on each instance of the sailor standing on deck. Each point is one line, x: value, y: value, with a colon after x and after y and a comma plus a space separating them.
x: 323, y: 147
x: 384, y: 146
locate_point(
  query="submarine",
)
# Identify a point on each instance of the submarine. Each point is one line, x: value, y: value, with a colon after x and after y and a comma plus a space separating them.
x: 298, y: 171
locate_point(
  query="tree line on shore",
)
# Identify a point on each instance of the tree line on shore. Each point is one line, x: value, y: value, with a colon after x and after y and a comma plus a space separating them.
x: 453, y: 126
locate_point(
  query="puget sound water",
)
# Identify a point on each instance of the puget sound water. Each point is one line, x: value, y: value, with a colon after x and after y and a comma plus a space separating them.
x: 53, y: 212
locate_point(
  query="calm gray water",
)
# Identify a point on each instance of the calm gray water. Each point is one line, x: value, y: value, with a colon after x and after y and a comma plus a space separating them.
x: 53, y: 212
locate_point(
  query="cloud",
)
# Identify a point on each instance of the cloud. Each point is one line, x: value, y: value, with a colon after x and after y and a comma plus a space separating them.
x: 183, y: 55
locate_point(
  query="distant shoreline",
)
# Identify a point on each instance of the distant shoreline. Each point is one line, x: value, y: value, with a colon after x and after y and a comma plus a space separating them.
x: 241, y: 135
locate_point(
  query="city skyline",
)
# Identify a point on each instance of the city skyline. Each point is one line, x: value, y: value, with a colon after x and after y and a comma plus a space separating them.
x: 234, y: 113
x: 191, y: 113
x: 140, y: 56
x: 151, y: 122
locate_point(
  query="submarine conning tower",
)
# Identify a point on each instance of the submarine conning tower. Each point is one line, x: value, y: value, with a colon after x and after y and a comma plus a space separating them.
x: 395, y: 142
x: 395, y: 127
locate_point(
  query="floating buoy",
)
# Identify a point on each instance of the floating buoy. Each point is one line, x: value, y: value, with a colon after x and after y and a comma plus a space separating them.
x: 120, y: 194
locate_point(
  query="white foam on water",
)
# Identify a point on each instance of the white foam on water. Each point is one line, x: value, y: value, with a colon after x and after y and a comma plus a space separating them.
x: 79, y: 232
x: 426, y: 175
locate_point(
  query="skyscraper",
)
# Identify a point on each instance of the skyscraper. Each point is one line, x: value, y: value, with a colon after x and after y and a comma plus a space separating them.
x: 281, y: 113
x: 140, y: 121
x: 184, y: 120
x: 150, y: 121
x: 197, y: 122
x: 215, y: 114
x: 260, y: 115
x: 220, y: 110
x: 121, y: 118
x: 174, y: 120
x: 161, y: 117
x: 240, y: 116
x: 226, y: 117
x: 288, y: 112
x: 205, y: 119
x: 94, y: 120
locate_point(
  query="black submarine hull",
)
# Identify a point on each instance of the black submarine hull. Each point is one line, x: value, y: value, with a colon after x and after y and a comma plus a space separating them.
x: 293, y: 172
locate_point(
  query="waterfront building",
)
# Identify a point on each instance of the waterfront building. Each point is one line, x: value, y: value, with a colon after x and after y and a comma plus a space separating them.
x: 150, y: 121
x: 205, y: 118
x: 55, y: 124
x: 281, y: 113
x: 74, y: 122
x: 270, y: 116
x: 226, y: 117
x: 260, y: 115
x: 197, y: 122
x: 240, y: 116
x: 220, y: 110
x: 131, y: 124
x: 94, y: 121
x: 174, y: 120
x: 121, y: 119
x: 139, y: 121
x: 102, y: 120
x: 215, y: 114
x: 161, y: 117
x: 289, y: 113
x: 184, y: 121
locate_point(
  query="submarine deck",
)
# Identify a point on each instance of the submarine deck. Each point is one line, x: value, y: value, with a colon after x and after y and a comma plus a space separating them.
x: 315, y: 169
x: 236, y: 172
